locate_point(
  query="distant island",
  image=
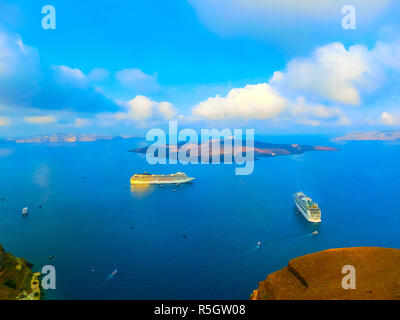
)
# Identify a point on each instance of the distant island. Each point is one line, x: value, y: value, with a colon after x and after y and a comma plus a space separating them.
x: 65, y: 138
x: 390, y: 135
x: 318, y: 276
x: 17, y: 281
x: 261, y: 149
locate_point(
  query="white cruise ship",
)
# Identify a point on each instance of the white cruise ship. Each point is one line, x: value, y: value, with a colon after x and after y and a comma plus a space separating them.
x: 147, y: 178
x: 308, y: 208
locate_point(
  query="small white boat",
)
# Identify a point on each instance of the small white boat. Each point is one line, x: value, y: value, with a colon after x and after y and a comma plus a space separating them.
x: 259, y: 244
x: 315, y: 233
x: 25, y: 211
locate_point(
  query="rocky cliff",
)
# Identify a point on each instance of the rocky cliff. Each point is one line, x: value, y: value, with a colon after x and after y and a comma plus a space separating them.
x: 318, y: 276
x: 15, y: 276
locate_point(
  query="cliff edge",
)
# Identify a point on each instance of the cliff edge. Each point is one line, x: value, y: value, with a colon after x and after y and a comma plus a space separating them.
x: 15, y: 276
x: 318, y: 276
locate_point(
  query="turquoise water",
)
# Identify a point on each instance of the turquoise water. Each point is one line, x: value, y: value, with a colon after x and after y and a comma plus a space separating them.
x: 88, y: 210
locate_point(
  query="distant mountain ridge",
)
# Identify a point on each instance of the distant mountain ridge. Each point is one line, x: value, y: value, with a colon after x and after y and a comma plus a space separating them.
x: 65, y: 138
x: 389, y: 135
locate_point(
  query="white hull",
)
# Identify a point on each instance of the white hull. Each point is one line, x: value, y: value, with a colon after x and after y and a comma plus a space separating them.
x: 306, y: 213
x: 162, y: 182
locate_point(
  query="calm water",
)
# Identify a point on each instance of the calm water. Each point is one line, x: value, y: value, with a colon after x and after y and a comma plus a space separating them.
x: 88, y: 209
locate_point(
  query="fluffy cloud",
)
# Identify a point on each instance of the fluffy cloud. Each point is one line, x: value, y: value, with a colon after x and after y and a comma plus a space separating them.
x: 70, y: 76
x: 313, y: 114
x: 167, y: 110
x: 313, y: 90
x: 251, y: 102
x: 136, y: 79
x: 144, y: 108
x: 262, y: 102
x: 19, y: 69
x: 24, y: 83
x: 16, y: 56
x: 332, y: 73
x: 390, y: 119
x: 39, y: 95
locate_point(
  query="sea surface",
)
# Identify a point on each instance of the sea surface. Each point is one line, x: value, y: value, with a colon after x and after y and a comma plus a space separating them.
x: 198, y: 242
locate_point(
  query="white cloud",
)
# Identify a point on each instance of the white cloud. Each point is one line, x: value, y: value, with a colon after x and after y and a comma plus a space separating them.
x: 316, y: 114
x: 251, y: 102
x: 15, y: 56
x: 301, y: 107
x: 332, y: 73
x: 40, y: 119
x: 262, y: 102
x: 19, y: 68
x: 76, y: 78
x: 138, y: 108
x: 144, y: 108
x: 70, y: 76
x: 390, y: 119
x: 136, y: 79
x: 167, y: 110
x: 311, y: 90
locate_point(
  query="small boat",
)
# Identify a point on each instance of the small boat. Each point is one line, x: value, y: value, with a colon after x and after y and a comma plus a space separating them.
x: 259, y: 244
x: 25, y: 211
x: 114, y: 272
x: 315, y: 233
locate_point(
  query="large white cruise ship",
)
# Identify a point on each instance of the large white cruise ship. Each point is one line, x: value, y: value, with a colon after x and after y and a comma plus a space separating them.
x: 308, y: 208
x: 147, y: 178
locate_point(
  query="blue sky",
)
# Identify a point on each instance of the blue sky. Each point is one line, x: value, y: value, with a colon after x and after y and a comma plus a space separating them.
x: 122, y: 67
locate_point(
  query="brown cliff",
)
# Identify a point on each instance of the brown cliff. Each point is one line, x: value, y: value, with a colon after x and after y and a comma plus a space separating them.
x: 318, y: 276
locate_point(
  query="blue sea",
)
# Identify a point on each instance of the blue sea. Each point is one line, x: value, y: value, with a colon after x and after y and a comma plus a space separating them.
x: 198, y: 242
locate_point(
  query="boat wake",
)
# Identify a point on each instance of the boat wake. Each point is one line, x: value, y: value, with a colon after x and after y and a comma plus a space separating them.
x: 110, y: 276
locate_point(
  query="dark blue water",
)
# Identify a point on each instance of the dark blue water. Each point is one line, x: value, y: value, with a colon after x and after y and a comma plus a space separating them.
x: 88, y: 210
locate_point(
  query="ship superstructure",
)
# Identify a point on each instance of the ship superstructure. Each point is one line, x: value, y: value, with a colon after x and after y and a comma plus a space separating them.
x: 147, y: 178
x: 307, y: 207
